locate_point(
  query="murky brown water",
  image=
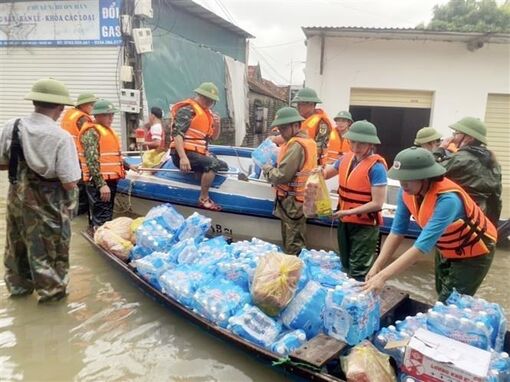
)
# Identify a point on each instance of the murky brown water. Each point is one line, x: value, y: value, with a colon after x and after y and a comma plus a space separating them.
x: 107, y: 330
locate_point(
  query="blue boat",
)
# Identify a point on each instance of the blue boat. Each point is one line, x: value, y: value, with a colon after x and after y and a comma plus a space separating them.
x: 247, y: 204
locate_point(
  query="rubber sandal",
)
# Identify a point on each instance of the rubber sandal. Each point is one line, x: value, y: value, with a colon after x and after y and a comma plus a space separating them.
x: 208, y: 204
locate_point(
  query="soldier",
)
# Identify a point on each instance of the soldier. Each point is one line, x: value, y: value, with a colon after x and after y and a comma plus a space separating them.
x: 474, y: 166
x: 362, y: 184
x: 428, y: 138
x: 338, y: 145
x: 72, y: 122
x: 194, y: 125
x: 101, y: 162
x: 43, y: 172
x: 316, y: 122
x: 296, y: 159
x: 450, y: 221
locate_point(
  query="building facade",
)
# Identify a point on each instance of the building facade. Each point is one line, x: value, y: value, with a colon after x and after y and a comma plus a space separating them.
x: 405, y: 79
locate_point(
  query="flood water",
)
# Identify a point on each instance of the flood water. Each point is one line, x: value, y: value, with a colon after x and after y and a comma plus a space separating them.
x: 107, y: 330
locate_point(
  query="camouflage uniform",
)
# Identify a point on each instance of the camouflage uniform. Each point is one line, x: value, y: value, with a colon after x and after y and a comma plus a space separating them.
x: 288, y: 209
x: 38, y: 234
x: 322, y: 140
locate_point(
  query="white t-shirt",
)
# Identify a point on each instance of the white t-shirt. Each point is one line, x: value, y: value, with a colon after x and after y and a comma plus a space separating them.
x: 48, y: 149
x: 156, y: 131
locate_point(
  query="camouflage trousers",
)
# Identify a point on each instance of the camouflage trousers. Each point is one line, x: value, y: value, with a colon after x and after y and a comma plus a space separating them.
x: 38, y: 236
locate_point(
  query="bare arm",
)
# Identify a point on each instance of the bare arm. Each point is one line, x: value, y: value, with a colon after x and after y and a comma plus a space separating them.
x: 216, y: 126
x: 329, y: 172
x: 389, y: 247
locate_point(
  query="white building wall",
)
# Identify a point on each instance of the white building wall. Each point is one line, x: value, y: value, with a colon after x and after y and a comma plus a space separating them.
x: 459, y: 79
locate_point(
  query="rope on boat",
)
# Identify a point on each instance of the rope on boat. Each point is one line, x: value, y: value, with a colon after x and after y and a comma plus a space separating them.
x: 286, y: 361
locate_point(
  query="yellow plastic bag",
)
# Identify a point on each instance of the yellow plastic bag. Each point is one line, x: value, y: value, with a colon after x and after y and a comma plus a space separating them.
x: 121, y: 226
x: 317, y: 201
x: 274, y: 282
x: 367, y: 364
x: 112, y: 242
x: 153, y: 158
x: 134, y: 226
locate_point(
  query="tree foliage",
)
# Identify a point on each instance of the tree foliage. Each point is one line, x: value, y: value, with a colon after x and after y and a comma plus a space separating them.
x: 471, y: 16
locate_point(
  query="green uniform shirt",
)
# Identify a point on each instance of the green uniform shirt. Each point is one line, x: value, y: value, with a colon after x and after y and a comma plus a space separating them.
x: 182, y: 121
x: 322, y: 139
x: 290, y: 164
x: 90, y: 142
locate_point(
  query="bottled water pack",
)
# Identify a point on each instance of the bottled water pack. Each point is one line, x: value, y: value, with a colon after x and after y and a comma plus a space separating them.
x: 152, y: 266
x: 254, y: 325
x: 288, y: 342
x: 305, y: 311
x: 182, y: 282
x: 390, y: 334
x: 219, y: 300
x: 327, y: 277
x: 153, y: 236
x: 194, y: 227
x: 351, y: 315
x: 322, y: 259
x: 170, y: 218
x: 499, y: 369
x: 266, y: 153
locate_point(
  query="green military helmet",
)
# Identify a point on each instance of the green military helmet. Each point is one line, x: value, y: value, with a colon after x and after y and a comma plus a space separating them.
x: 306, y: 95
x: 51, y: 91
x: 103, y: 106
x: 473, y: 127
x: 86, y: 98
x: 209, y: 90
x: 344, y: 115
x: 415, y: 163
x: 426, y: 135
x: 364, y: 132
x: 286, y: 115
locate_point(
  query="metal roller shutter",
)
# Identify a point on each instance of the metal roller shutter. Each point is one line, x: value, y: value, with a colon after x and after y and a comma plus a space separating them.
x: 391, y: 98
x: 82, y: 69
x: 497, y: 117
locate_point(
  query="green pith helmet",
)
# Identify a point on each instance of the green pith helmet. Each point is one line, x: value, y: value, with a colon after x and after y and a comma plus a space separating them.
x: 473, y: 127
x: 51, y: 91
x: 415, y: 163
x: 306, y: 95
x: 103, y: 106
x: 343, y: 115
x: 85, y: 98
x: 426, y: 135
x: 363, y: 131
x: 209, y: 90
x: 286, y: 115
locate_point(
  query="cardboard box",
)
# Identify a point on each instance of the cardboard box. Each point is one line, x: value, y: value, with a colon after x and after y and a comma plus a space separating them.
x: 434, y: 358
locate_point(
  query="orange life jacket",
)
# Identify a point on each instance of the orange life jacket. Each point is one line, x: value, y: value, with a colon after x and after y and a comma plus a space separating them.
x: 355, y: 189
x: 337, y: 146
x: 110, y: 158
x: 464, y: 237
x: 200, y: 130
x: 70, y: 120
x: 296, y: 187
x: 311, y: 126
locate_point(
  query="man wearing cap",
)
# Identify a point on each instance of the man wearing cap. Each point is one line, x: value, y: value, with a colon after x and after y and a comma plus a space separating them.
x: 101, y: 162
x: 194, y: 126
x: 296, y: 160
x: 316, y: 122
x: 362, y: 185
x: 154, y: 137
x: 43, y: 172
x: 72, y: 122
x: 428, y: 138
x: 338, y: 145
x: 475, y: 167
x: 450, y: 221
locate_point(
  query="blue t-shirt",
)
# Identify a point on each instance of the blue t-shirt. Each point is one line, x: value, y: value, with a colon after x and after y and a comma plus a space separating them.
x: 377, y: 174
x: 448, y: 208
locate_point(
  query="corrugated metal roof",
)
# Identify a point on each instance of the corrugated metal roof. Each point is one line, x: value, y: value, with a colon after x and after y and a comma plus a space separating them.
x: 406, y: 34
x: 202, y: 12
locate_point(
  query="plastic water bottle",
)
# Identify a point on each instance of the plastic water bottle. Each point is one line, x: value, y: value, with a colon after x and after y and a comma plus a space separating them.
x: 254, y: 325
x: 288, y: 342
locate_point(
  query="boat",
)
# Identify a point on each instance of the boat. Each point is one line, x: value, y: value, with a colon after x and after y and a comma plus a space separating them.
x: 247, y: 203
x: 316, y: 360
